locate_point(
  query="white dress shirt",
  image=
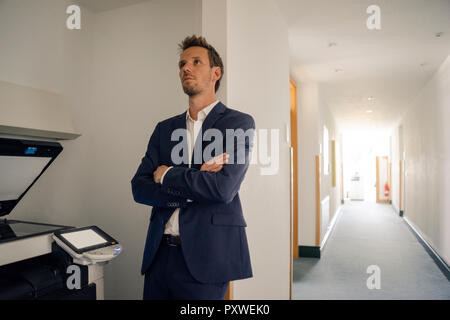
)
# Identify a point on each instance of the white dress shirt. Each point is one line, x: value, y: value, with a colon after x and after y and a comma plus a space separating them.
x: 193, y: 127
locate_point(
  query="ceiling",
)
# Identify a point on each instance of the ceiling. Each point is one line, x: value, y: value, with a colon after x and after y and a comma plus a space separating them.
x: 330, y: 44
x: 97, y: 6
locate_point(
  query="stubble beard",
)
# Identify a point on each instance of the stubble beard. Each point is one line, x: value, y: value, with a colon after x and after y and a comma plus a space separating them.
x: 190, y: 91
x: 193, y: 90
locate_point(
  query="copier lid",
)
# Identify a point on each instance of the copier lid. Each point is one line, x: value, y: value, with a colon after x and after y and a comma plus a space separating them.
x: 22, y: 162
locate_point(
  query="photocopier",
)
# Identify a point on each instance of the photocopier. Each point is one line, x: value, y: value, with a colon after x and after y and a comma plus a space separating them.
x: 43, y: 261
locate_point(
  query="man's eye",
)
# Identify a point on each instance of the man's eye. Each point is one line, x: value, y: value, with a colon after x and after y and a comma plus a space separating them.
x: 181, y: 65
x: 196, y: 61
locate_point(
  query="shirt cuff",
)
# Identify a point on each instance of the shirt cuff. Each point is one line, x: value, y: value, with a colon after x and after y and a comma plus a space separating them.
x: 162, y: 177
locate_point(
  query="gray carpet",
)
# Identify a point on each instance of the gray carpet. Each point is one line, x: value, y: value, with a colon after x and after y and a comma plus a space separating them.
x: 370, y: 234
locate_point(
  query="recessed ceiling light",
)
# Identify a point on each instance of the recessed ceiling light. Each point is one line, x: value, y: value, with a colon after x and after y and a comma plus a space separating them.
x: 438, y: 34
x: 369, y: 111
x: 423, y: 64
x: 338, y: 70
x: 332, y: 44
x: 370, y: 98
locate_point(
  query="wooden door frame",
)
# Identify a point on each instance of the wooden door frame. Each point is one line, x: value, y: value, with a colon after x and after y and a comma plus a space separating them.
x: 389, y: 179
x: 294, y: 173
x: 230, y: 292
x: 341, y: 183
x: 293, y: 180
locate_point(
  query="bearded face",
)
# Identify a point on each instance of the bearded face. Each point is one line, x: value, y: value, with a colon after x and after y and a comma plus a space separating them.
x: 195, y: 71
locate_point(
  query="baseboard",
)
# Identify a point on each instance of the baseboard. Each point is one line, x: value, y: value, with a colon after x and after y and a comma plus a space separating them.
x: 330, y: 228
x: 308, y: 252
x: 442, y: 265
x: 314, y: 252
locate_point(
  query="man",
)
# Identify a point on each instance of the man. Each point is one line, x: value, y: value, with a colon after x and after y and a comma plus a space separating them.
x: 196, y: 241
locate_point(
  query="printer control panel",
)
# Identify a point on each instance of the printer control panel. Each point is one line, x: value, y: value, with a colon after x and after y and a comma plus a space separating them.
x: 88, y: 245
x: 104, y: 253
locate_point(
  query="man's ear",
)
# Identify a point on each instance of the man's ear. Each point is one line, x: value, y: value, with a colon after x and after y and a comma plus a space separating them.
x: 217, y: 72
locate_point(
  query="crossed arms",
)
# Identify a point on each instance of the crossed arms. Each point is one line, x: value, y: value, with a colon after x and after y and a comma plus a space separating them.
x: 181, y: 183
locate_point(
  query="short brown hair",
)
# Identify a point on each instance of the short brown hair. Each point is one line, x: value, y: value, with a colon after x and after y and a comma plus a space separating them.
x: 214, y: 58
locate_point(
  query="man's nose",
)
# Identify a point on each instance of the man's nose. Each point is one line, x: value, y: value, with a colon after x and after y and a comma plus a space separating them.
x: 186, y: 68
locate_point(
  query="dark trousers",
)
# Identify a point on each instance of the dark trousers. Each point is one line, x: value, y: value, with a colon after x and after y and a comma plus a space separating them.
x: 168, y: 278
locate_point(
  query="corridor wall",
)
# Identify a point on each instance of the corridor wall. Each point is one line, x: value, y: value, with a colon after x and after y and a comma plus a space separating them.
x: 426, y: 147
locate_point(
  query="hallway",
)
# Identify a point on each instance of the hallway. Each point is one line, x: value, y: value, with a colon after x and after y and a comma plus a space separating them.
x: 370, y: 234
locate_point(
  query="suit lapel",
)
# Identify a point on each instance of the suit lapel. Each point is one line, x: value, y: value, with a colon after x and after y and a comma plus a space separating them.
x: 214, y: 115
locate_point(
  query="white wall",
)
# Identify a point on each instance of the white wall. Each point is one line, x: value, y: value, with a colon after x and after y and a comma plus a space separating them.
x: 214, y: 29
x: 396, y: 156
x: 42, y: 53
x: 308, y: 138
x: 326, y: 118
x: 258, y: 84
x: 120, y: 76
x: 427, y: 150
x: 313, y: 115
x: 32, y: 35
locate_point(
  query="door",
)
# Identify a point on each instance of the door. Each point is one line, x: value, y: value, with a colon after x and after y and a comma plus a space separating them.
x: 382, y: 177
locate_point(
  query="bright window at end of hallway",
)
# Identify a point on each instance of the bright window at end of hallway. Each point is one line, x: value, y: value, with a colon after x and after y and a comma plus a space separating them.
x: 326, y: 155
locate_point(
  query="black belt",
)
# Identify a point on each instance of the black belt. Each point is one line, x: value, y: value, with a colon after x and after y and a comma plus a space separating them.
x: 171, y: 240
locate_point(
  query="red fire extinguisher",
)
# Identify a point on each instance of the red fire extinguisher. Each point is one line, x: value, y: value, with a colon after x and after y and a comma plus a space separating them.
x: 386, y: 190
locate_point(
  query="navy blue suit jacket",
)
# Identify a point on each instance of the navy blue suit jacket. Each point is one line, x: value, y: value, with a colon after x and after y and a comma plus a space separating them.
x: 212, y: 226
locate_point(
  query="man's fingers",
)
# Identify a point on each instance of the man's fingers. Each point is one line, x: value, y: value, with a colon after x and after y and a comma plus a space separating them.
x: 211, y: 167
x: 220, y: 159
x: 216, y: 169
x: 215, y: 164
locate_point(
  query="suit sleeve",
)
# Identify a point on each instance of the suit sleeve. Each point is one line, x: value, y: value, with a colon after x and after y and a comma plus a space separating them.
x: 145, y: 189
x: 222, y: 186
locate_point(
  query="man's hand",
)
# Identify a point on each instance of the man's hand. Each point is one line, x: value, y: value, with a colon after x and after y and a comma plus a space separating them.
x: 159, y: 173
x: 216, y: 163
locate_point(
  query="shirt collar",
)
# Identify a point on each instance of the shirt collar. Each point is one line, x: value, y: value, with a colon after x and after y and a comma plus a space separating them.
x: 202, y: 114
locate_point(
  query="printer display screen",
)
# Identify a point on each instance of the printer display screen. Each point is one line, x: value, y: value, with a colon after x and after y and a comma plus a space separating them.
x: 18, y: 173
x: 83, y: 239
